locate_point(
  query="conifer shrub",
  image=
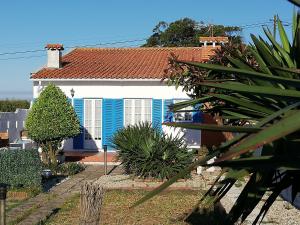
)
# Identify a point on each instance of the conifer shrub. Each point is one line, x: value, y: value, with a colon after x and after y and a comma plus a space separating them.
x: 51, y: 120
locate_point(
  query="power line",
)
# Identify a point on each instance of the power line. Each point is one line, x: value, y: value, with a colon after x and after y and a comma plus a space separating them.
x: 44, y: 55
x: 75, y: 46
x: 245, y: 26
x: 23, y: 57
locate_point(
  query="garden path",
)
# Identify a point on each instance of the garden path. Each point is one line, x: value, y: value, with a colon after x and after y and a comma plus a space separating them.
x: 38, y: 208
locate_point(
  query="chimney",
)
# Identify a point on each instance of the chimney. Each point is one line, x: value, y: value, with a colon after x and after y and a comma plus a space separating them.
x: 54, y: 53
x: 214, y: 41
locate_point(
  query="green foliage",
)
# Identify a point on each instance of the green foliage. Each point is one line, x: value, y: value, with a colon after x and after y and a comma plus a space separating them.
x: 52, y: 117
x: 70, y: 168
x: 259, y: 92
x: 12, y: 105
x: 186, y: 32
x: 146, y: 152
x: 20, y: 168
x: 51, y: 120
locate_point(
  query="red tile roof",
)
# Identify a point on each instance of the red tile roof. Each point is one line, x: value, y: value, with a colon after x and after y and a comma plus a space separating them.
x: 120, y: 63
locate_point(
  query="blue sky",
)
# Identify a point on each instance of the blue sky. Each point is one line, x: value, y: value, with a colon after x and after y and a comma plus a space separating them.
x: 29, y: 25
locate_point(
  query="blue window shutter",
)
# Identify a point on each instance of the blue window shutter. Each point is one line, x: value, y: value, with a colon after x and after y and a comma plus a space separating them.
x: 168, y: 115
x: 112, y: 119
x: 157, y: 113
x: 197, y: 116
x: 78, y: 107
x: 107, y: 121
x: 119, y: 114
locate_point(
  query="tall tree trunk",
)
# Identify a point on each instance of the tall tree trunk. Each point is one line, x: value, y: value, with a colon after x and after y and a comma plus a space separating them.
x: 90, y: 203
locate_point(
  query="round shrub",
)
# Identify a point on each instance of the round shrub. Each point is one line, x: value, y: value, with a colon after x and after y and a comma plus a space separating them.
x: 70, y: 168
x: 146, y: 152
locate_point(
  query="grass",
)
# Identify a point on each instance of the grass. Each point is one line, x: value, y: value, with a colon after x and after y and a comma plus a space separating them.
x: 167, y: 208
x: 25, y: 194
x: 24, y: 215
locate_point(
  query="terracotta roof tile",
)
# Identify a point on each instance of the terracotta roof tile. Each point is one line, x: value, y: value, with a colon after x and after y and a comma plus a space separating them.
x: 55, y: 46
x: 120, y: 63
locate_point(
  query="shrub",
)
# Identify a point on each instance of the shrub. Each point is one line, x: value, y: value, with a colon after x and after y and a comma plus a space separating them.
x: 146, y: 152
x: 51, y: 120
x: 71, y: 168
x: 20, y: 168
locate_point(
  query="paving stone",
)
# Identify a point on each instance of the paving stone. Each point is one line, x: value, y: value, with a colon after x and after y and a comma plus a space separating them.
x: 56, y: 197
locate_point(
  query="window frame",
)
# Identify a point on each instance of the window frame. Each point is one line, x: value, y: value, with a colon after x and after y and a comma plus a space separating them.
x: 133, y: 111
x: 186, y: 108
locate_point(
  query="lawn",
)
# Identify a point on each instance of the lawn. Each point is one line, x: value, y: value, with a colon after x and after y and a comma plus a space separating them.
x: 167, y: 208
x: 17, y: 196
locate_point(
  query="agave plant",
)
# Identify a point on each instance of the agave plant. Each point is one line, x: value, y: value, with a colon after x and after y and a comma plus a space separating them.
x: 261, y: 102
x: 148, y: 153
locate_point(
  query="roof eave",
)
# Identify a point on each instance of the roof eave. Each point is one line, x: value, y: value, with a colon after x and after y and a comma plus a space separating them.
x: 93, y: 79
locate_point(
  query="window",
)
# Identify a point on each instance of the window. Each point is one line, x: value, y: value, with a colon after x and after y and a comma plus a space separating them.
x: 137, y: 110
x: 185, y: 115
x: 92, y: 119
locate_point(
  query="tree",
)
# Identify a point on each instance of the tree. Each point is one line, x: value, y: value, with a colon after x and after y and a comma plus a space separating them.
x: 51, y: 120
x: 186, y: 32
x: 257, y: 97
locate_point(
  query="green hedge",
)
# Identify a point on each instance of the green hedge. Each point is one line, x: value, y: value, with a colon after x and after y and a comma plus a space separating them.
x: 20, y: 168
x: 12, y: 105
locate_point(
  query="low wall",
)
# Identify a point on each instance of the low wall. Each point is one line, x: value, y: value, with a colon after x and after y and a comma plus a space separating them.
x: 13, y: 123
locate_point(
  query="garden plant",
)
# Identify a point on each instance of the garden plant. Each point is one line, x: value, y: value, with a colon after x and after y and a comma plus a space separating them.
x: 256, y: 95
x: 51, y: 120
x: 148, y: 153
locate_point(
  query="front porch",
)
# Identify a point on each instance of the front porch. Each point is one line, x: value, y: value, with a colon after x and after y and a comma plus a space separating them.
x: 88, y: 157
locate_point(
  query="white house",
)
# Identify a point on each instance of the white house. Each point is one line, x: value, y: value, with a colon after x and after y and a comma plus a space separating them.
x: 114, y: 87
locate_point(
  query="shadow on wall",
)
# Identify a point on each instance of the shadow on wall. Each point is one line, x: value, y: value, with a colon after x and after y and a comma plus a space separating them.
x: 84, y: 140
x: 191, y: 137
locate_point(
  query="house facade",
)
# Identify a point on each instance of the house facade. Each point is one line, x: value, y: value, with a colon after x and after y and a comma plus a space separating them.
x: 111, y: 88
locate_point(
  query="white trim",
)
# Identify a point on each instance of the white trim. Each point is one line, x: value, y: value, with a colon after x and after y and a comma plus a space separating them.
x: 93, y: 124
x: 133, y: 110
x: 96, y: 79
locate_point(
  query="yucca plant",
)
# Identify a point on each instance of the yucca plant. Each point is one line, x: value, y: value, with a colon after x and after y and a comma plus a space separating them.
x: 148, y: 153
x: 261, y: 102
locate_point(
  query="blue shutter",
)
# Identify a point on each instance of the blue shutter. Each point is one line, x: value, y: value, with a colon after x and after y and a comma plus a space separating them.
x: 107, y: 120
x: 197, y: 116
x: 78, y: 107
x: 119, y: 114
x: 157, y: 113
x: 112, y: 117
x: 168, y: 115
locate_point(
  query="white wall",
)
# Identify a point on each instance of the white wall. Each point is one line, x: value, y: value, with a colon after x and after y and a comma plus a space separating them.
x: 123, y: 89
x: 114, y: 89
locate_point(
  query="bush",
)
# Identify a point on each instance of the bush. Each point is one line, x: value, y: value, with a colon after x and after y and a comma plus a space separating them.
x: 51, y: 120
x: 146, y: 152
x: 12, y: 105
x: 20, y: 168
x: 71, y: 168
